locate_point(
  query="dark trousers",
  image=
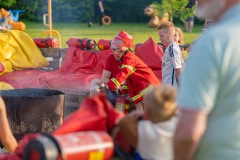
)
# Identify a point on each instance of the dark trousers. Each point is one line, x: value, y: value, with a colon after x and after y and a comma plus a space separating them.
x: 97, y: 14
x: 112, y: 96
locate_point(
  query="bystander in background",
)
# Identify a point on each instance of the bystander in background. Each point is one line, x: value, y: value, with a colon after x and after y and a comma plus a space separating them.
x: 98, y: 13
x: 189, y: 22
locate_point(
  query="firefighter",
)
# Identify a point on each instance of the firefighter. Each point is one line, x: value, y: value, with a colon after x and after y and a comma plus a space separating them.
x: 138, y: 76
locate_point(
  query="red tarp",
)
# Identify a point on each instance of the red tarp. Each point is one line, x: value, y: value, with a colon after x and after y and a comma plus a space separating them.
x: 27, y: 78
x: 79, y: 69
x: 151, y: 54
x: 94, y: 114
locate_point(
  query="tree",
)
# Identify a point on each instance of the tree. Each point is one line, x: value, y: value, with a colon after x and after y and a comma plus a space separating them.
x: 80, y: 11
x: 7, y: 4
x: 129, y: 10
x: 175, y: 8
x: 34, y: 8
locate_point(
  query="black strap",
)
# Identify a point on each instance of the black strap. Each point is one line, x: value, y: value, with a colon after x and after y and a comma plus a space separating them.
x: 45, y: 42
x: 81, y: 42
x: 124, y: 54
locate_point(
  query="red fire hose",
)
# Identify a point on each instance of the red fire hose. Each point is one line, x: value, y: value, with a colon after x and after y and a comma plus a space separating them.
x: 46, y: 42
x: 83, y: 43
x: 104, y: 44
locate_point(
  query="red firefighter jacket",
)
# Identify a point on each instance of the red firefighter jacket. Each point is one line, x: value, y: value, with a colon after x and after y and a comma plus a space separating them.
x: 139, y: 77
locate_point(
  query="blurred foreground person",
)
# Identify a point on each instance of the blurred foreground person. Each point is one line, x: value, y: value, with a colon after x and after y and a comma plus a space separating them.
x: 209, y: 128
x: 151, y: 132
x: 6, y: 135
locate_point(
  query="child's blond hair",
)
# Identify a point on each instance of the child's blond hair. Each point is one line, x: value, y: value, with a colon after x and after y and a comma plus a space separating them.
x: 168, y: 26
x: 180, y: 33
x: 160, y: 102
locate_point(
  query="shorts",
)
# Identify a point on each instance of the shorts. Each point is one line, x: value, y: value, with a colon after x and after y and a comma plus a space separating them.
x: 189, y: 19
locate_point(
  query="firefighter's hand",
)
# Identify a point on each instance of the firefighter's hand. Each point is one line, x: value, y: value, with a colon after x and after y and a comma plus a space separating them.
x: 103, y: 88
x: 106, y: 86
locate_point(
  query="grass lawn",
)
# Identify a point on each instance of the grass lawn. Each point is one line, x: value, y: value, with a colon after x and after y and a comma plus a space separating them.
x: 139, y: 31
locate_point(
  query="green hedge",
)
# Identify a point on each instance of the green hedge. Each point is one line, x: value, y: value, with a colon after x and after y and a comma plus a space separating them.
x: 81, y: 11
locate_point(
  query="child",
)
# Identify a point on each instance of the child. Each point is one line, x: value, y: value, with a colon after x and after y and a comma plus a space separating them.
x: 172, y: 63
x: 152, y: 136
x: 178, y: 36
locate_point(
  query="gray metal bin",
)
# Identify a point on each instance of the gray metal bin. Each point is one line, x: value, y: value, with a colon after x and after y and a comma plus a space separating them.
x: 33, y: 110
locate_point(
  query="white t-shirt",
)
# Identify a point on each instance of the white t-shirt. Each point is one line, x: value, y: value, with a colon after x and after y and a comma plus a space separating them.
x: 155, y: 140
x: 172, y: 60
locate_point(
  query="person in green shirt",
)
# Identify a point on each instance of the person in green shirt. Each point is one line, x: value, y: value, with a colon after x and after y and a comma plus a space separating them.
x: 209, y: 94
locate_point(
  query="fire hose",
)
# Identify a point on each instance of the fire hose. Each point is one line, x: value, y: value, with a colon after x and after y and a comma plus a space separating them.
x: 46, y: 42
x: 83, y: 43
x: 104, y: 44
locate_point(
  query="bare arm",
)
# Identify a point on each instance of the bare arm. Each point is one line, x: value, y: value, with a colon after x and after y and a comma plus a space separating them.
x: 189, y: 132
x: 94, y: 86
x: 6, y: 136
x: 177, y: 75
x: 101, y: 6
x: 106, y: 76
x: 129, y: 127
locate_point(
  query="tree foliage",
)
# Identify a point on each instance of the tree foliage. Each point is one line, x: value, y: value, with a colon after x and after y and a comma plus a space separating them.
x: 62, y: 10
x: 7, y: 3
x: 130, y: 10
x: 34, y: 8
x: 82, y: 11
x: 175, y: 8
